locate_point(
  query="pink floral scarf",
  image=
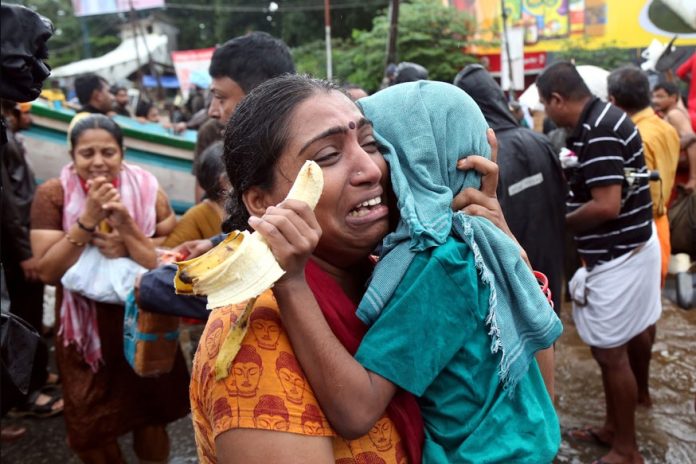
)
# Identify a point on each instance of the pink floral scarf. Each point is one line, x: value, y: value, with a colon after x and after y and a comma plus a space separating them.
x: 78, y: 315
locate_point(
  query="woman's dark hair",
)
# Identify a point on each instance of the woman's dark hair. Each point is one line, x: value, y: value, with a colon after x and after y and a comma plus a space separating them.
x: 257, y: 134
x: 95, y: 121
x: 209, y: 170
x: 142, y: 108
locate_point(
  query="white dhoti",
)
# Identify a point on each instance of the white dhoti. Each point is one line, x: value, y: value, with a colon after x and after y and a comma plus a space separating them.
x: 617, y: 300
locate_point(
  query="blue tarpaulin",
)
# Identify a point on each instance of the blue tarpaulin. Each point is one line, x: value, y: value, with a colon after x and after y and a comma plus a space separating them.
x: 168, y: 82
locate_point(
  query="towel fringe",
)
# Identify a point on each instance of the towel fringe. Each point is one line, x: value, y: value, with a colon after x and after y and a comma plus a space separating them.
x: 491, y: 320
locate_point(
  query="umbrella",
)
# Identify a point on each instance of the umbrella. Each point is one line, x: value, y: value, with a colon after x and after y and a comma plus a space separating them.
x: 595, y: 78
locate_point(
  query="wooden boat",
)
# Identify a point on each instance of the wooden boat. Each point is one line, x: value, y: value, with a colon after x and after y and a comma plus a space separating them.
x: 167, y: 155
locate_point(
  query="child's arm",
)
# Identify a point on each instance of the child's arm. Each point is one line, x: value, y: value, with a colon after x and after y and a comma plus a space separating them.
x: 352, y: 397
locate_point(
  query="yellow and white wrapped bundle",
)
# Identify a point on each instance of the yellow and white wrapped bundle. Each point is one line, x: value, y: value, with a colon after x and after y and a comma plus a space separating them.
x: 243, y: 266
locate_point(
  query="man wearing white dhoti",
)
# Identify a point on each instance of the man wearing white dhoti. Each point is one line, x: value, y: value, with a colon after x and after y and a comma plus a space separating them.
x: 616, y: 294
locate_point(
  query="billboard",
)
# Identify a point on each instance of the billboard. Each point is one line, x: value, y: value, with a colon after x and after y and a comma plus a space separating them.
x: 98, y: 7
x: 552, y: 25
x: 191, y: 67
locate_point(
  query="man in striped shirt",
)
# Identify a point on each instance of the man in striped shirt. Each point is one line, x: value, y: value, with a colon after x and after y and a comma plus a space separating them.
x: 616, y: 296
x: 629, y: 90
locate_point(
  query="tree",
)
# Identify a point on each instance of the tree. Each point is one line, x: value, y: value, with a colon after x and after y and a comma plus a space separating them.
x: 609, y: 57
x: 66, y: 45
x: 430, y: 34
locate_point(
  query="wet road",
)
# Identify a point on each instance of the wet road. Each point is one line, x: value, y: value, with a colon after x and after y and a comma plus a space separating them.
x: 666, y: 432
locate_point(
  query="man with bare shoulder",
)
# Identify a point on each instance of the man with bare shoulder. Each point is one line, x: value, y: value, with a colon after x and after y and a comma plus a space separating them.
x: 665, y: 99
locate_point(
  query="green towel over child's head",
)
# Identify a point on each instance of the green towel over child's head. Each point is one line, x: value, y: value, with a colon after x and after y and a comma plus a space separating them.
x: 424, y: 127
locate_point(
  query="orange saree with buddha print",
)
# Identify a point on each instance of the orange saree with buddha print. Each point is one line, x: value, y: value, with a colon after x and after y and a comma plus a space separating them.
x: 267, y: 389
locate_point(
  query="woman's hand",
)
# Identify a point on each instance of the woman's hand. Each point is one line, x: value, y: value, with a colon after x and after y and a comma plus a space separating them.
x: 483, y: 202
x: 292, y: 232
x: 100, y: 193
x: 30, y: 268
x: 117, y: 214
x: 110, y: 244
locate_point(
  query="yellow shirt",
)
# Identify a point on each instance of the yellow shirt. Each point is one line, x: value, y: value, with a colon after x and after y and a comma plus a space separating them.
x: 53, y: 95
x: 661, y: 151
x: 199, y: 222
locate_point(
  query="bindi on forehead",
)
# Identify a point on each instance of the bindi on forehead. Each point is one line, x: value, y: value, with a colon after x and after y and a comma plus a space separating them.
x: 351, y: 125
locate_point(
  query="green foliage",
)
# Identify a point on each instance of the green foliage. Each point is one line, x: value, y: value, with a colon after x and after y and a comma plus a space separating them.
x: 610, y: 57
x: 201, y: 24
x: 429, y: 34
x: 66, y: 45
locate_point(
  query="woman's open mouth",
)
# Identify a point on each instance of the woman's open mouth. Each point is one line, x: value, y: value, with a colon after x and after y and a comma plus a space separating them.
x: 368, y: 211
x: 365, y: 207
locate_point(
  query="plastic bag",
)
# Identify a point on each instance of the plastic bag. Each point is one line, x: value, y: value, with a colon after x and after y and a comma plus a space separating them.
x: 107, y: 280
x: 18, y: 342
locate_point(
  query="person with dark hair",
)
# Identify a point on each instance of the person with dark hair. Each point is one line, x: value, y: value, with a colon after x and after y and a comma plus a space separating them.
x: 20, y: 266
x: 354, y: 91
x: 667, y: 100
x: 196, y: 100
x: 325, y: 254
x: 120, y: 96
x: 100, y: 201
x: 670, y: 89
x: 532, y: 188
x: 236, y: 68
x: 204, y: 220
x: 628, y: 88
x: 241, y: 64
x: 616, y: 295
x: 209, y: 133
x: 409, y: 72
x: 146, y: 111
x: 198, y: 224
x: 93, y: 94
x: 23, y: 41
x: 389, y: 75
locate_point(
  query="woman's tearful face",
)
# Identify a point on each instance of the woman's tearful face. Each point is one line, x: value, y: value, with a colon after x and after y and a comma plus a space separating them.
x: 96, y: 154
x: 353, y: 210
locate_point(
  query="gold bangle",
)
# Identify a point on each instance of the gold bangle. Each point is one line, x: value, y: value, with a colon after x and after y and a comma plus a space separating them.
x: 72, y: 241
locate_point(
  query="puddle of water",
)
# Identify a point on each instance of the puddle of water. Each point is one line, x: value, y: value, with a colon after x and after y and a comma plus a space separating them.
x: 666, y: 433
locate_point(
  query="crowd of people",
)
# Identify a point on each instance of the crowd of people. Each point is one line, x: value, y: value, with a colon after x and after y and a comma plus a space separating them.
x: 439, y: 351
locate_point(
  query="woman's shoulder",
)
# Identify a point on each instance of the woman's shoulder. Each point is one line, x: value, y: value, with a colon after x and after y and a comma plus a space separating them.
x: 51, y: 188
x: 47, y: 206
x: 265, y: 387
x: 49, y: 194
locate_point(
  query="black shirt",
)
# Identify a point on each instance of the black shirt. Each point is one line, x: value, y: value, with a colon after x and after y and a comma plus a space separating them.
x: 608, y: 145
